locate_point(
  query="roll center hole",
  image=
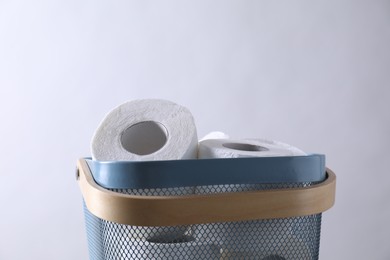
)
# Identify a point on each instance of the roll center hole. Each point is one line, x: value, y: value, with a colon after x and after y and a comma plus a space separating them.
x: 144, y: 137
x: 245, y: 147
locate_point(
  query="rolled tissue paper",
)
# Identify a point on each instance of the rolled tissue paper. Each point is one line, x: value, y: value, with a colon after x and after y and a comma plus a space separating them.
x: 241, y: 237
x: 191, y: 250
x: 146, y: 130
x: 233, y: 148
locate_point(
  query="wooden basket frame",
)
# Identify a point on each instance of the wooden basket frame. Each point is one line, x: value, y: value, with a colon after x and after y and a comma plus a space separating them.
x: 140, y: 210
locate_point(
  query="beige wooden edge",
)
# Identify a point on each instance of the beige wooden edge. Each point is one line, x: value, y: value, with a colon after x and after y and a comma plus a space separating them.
x: 196, y: 209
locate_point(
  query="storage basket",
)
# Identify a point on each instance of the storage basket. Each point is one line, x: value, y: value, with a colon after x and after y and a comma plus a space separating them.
x: 244, y: 208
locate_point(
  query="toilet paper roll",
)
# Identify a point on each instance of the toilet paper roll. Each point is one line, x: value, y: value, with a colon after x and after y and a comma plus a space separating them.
x: 233, y: 148
x: 188, y: 250
x: 191, y: 250
x: 237, y: 237
x: 147, y: 130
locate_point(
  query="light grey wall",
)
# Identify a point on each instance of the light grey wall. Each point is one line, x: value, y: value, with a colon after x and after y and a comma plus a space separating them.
x: 314, y: 74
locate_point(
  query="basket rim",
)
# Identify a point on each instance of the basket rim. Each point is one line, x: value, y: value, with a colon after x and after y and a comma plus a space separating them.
x: 200, y: 172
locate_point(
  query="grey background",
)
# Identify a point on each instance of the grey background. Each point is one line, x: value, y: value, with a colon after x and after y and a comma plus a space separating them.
x: 314, y: 74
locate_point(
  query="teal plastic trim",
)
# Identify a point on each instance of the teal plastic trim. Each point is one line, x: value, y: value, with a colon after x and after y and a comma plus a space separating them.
x: 184, y: 173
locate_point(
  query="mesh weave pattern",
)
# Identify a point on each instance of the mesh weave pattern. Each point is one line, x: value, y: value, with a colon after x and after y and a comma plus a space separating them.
x: 295, y: 238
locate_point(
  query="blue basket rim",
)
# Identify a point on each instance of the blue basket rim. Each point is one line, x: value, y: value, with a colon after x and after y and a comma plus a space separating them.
x: 201, y: 172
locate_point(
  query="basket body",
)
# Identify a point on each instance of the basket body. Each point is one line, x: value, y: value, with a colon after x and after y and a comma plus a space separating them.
x: 292, y: 237
x: 295, y: 238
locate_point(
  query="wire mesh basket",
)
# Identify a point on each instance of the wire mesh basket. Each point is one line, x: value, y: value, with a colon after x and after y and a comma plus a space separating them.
x: 244, y: 208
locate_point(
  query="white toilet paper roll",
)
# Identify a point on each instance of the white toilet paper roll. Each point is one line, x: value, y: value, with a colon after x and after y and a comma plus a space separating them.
x: 146, y: 130
x: 137, y: 249
x: 118, y: 246
x: 192, y: 250
x: 142, y: 130
x: 237, y: 237
x: 233, y: 148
